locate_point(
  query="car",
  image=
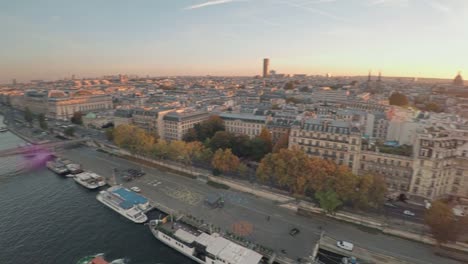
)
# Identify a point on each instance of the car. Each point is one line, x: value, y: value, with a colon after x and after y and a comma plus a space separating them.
x: 135, y: 189
x: 345, y: 245
x: 409, y: 213
x: 294, y: 232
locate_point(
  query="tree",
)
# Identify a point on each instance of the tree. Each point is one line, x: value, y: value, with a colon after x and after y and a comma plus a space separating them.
x: 77, y: 118
x: 291, y: 169
x: 441, y: 221
x: 69, y: 131
x: 328, y: 200
x: 221, y: 140
x: 42, y: 121
x: 225, y: 161
x: 398, y: 99
x: 241, y: 145
x: 377, y: 191
x: 282, y: 143
x: 265, y: 136
x: 28, y: 116
x: 191, y: 135
x: 433, y: 107
x: 134, y: 139
x: 289, y: 86
x: 206, y: 129
x: 110, y: 133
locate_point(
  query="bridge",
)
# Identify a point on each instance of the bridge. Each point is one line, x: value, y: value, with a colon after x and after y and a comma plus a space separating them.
x: 31, y: 149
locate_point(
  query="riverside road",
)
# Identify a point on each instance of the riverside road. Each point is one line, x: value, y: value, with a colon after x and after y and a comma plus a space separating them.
x: 260, y: 220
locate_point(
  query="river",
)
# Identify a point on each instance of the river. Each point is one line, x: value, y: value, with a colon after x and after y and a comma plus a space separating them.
x: 47, y: 219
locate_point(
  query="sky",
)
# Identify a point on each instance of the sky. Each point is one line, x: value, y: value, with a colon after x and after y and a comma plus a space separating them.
x: 52, y: 39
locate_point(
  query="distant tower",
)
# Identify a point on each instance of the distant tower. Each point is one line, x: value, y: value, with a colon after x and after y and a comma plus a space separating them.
x: 13, y: 81
x: 369, y: 79
x: 266, y: 63
x: 458, y: 81
x: 379, y: 82
x: 73, y: 76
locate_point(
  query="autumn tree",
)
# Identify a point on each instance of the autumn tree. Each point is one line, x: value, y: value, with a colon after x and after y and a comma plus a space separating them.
x: 441, y: 221
x: 282, y: 143
x: 288, y: 168
x: 398, y: 99
x: 160, y: 149
x: 134, y: 139
x: 225, y: 161
x: 77, y: 118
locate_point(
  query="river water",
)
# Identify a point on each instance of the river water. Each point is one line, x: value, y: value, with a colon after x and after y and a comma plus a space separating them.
x: 47, y: 219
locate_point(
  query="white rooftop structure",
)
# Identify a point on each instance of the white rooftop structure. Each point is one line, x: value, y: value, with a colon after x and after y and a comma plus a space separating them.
x: 228, y: 251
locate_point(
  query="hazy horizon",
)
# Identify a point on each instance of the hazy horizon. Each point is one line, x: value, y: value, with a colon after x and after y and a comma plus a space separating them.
x: 406, y: 38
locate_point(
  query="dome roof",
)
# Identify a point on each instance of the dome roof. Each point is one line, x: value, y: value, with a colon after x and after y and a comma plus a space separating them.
x: 458, y: 81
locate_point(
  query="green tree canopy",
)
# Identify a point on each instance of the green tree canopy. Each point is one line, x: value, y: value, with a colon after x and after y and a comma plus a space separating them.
x: 28, y: 115
x: 42, y: 121
x: 328, y: 200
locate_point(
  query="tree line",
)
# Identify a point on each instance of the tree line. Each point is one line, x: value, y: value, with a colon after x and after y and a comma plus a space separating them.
x: 330, y: 184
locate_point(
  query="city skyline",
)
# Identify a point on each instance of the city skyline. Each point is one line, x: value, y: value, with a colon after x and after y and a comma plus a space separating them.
x: 408, y: 38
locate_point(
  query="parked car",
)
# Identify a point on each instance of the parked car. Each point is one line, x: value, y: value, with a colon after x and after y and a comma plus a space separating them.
x: 135, y: 189
x: 345, y: 245
x: 294, y: 232
x: 409, y: 213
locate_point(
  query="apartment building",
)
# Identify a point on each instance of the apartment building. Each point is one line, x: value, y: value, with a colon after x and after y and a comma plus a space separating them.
x: 176, y: 124
x: 244, y: 124
x: 328, y: 139
x: 278, y: 128
x: 397, y: 170
x: 440, y: 164
x: 62, y: 105
x: 150, y: 119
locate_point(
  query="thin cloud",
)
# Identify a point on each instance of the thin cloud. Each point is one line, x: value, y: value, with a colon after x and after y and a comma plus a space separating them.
x: 389, y: 2
x: 440, y: 7
x: 209, y: 3
x: 313, y: 10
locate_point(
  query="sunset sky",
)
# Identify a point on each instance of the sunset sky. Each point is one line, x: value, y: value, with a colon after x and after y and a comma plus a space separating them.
x: 52, y: 39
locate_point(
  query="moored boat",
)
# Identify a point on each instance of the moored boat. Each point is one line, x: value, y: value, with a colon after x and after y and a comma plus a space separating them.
x: 202, y: 247
x: 93, y: 259
x: 57, y: 167
x: 90, y: 180
x: 125, y: 202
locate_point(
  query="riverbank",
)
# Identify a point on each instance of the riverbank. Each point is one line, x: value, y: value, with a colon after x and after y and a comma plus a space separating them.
x: 287, y: 201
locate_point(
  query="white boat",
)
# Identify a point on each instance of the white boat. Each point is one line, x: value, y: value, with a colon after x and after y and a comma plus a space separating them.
x: 57, y: 166
x: 90, y: 180
x: 74, y: 168
x: 125, y: 202
x: 202, y: 247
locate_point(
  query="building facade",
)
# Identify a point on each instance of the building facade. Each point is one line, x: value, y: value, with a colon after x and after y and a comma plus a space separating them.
x: 244, y: 124
x: 63, y: 106
x: 176, y: 124
x: 328, y: 139
x: 439, y: 165
x: 397, y: 170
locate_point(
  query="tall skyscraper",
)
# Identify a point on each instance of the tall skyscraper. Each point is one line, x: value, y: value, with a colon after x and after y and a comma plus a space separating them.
x: 266, y: 63
x: 13, y: 81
